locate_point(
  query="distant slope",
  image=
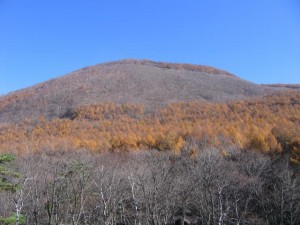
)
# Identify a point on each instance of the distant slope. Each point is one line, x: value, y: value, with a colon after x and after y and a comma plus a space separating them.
x: 290, y: 86
x: 152, y: 84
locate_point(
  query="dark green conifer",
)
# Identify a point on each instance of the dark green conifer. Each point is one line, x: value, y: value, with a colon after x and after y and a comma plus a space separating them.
x: 6, y: 175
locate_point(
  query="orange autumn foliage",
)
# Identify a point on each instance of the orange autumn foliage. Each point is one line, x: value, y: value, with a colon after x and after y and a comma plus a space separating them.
x: 269, y: 124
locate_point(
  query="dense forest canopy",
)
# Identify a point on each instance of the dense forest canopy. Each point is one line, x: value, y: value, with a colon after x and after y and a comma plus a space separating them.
x: 270, y: 125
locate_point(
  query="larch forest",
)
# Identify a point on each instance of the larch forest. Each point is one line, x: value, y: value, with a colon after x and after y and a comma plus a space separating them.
x: 136, y: 142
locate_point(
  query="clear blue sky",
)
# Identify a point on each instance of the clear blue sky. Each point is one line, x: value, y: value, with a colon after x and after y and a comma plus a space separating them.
x: 258, y: 40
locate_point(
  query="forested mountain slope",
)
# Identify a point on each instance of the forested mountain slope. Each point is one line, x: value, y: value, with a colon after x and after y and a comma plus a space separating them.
x: 270, y: 124
x: 141, y: 142
x: 133, y: 105
x: 148, y: 83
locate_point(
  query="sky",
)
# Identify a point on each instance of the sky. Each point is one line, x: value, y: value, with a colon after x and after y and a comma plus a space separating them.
x: 257, y: 40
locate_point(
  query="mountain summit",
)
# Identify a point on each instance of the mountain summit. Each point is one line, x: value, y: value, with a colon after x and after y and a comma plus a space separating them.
x: 152, y: 84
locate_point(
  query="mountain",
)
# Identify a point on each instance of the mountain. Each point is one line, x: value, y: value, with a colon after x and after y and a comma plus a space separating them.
x: 132, y: 105
x: 151, y: 136
x: 152, y: 84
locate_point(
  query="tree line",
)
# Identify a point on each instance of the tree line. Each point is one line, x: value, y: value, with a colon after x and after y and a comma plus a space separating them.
x: 151, y: 188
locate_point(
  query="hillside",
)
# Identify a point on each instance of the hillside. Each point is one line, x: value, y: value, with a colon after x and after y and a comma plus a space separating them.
x: 141, y: 142
x: 270, y: 124
x: 151, y: 84
x: 132, y: 105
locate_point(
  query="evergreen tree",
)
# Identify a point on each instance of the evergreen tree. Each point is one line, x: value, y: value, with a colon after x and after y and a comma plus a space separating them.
x: 7, y: 185
x: 6, y: 174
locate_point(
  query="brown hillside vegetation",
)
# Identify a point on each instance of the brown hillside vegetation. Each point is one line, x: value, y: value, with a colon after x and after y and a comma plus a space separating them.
x: 270, y: 124
x: 175, y: 66
x: 152, y: 84
x: 291, y: 86
x: 179, y: 144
